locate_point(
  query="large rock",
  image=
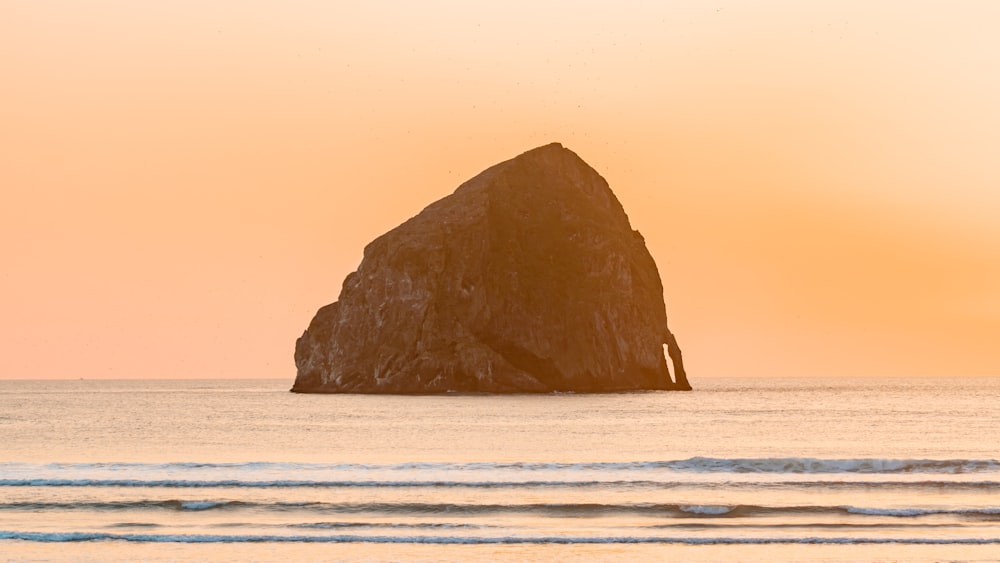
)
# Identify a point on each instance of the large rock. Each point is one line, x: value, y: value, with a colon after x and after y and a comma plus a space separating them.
x: 528, y: 278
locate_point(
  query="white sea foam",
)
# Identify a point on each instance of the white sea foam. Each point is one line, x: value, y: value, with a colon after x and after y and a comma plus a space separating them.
x: 708, y: 510
x: 201, y: 505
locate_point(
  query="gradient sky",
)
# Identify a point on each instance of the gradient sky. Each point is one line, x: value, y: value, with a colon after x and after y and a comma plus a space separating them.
x: 184, y: 183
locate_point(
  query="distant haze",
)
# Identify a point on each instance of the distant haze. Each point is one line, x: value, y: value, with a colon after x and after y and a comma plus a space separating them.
x: 184, y: 183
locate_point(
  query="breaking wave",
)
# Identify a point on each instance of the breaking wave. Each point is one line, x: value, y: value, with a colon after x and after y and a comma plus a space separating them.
x: 548, y: 509
x: 788, y: 465
x: 474, y: 540
x: 508, y: 484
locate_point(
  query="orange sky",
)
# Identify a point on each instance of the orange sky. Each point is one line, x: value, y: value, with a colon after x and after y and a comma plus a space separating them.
x: 185, y: 183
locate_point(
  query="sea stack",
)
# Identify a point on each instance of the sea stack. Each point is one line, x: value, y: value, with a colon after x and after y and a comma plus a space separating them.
x: 527, y: 279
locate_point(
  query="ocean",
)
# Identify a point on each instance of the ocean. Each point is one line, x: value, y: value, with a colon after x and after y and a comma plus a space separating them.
x: 736, y: 470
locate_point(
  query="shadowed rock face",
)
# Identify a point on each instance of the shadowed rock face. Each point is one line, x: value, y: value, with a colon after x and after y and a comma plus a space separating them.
x: 528, y: 278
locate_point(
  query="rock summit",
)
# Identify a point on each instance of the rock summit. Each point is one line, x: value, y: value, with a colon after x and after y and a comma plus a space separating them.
x: 527, y: 279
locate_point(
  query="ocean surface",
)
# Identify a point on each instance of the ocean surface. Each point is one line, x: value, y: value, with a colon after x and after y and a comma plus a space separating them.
x: 737, y: 470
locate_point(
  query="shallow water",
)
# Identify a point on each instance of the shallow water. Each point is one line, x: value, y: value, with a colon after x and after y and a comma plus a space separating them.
x: 738, y: 469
